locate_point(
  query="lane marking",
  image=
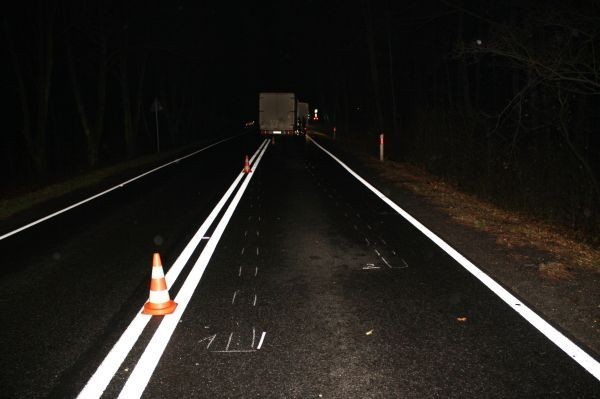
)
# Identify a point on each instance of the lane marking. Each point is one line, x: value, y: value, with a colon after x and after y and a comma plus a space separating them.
x: 257, y: 251
x: 234, y: 295
x: 120, y: 185
x: 135, y: 385
x: 96, y: 385
x: 240, y: 272
x: 243, y: 249
x: 559, y: 339
x: 254, y: 303
x: 255, y: 271
x: 262, y: 338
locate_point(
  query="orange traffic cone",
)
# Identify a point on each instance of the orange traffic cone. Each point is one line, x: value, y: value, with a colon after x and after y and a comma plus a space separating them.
x: 247, y: 166
x: 159, y: 302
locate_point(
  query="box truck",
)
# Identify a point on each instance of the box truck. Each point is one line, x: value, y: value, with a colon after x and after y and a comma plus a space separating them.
x: 277, y: 113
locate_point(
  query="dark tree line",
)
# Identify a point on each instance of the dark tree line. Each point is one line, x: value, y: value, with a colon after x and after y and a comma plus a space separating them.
x: 500, y: 97
x: 79, y: 79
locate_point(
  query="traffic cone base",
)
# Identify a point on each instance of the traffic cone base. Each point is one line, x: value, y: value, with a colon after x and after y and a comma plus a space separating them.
x: 159, y: 302
x: 160, y: 308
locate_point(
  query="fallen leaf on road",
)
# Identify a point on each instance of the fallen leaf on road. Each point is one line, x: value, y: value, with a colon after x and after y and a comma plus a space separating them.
x: 370, y: 332
x: 461, y: 319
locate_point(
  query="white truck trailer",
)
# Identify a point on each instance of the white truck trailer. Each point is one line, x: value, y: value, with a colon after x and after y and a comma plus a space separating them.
x: 277, y: 113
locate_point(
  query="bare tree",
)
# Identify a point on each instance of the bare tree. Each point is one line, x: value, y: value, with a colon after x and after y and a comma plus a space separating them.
x: 33, y: 66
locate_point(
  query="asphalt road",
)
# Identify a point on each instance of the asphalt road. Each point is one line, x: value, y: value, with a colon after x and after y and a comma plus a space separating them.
x: 316, y: 288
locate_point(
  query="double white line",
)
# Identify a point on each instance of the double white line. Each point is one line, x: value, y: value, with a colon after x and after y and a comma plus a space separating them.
x: 135, y: 385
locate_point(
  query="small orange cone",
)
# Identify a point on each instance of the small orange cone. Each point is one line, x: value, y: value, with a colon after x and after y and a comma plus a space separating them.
x: 247, y: 166
x: 159, y: 302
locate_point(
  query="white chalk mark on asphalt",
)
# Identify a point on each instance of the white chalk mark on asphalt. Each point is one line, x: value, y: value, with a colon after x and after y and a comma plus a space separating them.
x: 210, y: 340
x: 135, y: 385
x: 236, y: 351
x: 584, y: 359
x: 228, y: 342
x: 98, y: 382
x: 370, y: 266
x: 386, y: 262
x: 262, y: 338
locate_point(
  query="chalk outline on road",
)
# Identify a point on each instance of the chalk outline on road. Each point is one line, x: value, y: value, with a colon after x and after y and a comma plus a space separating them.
x: 141, y: 374
x: 559, y: 339
x: 96, y: 385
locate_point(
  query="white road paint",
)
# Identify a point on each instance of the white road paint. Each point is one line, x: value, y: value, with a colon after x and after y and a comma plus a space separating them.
x: 262, y: 338
x: 120, y: 185
x: 135, y: 385
x: 569, y: 347
x: 111, y: 363
x: 234, y: 295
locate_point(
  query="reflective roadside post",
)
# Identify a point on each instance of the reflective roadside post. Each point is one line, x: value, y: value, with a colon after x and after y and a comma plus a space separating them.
x: 155, y: 108
x: 381, y: 147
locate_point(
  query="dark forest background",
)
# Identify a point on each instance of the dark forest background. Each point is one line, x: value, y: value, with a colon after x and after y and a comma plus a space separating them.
x: 499, y: 97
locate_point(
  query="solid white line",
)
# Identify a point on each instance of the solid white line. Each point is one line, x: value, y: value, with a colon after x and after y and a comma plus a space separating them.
x: 262, y: 338
x: 109, y: 366
x: 120, y: 185
x: 135, y: 385
x: 564, y: 343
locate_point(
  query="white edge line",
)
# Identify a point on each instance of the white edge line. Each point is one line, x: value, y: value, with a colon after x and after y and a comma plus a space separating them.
x: 569, y: 347
x: 111, y: 363
x: 135, y: 385
x: 120, y: 185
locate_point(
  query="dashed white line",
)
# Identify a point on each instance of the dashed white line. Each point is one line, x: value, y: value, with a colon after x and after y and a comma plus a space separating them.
x: 234, y: 295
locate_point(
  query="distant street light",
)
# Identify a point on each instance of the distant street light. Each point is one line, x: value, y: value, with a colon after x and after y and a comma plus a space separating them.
x: 155, y: 108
